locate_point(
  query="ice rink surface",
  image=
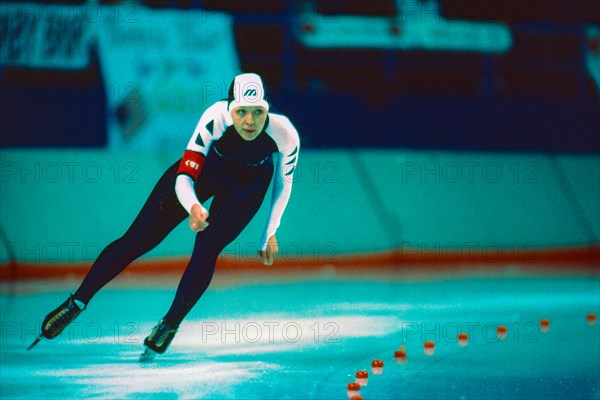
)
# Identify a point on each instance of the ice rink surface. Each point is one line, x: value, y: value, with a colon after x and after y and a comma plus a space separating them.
x: 305, y: 338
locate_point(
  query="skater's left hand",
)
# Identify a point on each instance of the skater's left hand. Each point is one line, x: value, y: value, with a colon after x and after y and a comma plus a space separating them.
x: 268, y: 255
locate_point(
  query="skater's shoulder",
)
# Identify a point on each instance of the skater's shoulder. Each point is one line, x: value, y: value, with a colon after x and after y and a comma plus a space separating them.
x: 282, y: 130
x: 217, y: 111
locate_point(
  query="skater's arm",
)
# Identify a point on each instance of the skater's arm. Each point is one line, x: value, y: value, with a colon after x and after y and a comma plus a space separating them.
x: 282, y: 185
x: 189, y: 169
x: 282, y: 189
x: 184, y: 187
x: 191, y: 165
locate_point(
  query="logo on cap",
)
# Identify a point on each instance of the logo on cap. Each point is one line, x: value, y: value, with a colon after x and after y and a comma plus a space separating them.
x: 251, y: 93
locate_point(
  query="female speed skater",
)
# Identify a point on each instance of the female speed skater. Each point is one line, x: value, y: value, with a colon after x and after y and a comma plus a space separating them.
x: 232, y: 155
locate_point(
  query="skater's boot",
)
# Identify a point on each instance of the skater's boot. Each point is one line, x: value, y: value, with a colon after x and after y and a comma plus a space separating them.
x: 60, y: 318
x: 160, y: 338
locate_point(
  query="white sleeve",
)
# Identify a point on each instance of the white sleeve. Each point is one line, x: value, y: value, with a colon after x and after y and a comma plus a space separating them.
x: 282, y: 189
x: 184, y: 188
x: 207, y: 128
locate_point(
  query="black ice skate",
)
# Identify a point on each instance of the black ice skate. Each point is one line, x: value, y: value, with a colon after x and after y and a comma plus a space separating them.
x: 59, y: 319
x: 158, y: 341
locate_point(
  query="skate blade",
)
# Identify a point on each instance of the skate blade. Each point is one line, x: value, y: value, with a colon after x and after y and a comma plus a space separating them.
x: 36, y: 341
x: 147, y: 355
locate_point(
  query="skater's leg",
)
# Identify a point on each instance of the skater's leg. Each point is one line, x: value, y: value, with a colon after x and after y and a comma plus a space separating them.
x: 230, y: 213
x: 160, y: 215
x: 225, y: 225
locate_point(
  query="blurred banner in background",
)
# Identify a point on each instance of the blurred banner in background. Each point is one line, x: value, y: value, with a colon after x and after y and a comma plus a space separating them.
x: 47, y: 36
x: 162, y: 71
x: 418, y: 25
x: 160, y: 68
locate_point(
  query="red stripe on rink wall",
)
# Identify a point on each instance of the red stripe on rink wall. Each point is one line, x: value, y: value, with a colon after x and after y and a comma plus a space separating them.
x: 571, y: 259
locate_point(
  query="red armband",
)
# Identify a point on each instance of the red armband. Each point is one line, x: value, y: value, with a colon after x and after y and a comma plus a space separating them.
x: 191, y: 164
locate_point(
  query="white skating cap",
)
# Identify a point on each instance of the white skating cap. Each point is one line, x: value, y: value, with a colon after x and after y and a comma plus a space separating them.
x: 247, y: 90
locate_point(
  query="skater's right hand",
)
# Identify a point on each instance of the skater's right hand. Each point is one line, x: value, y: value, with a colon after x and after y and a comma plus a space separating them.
x: 198, y: 216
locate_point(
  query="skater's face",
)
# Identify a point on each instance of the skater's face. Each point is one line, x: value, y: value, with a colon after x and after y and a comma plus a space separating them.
x: 249, y: 121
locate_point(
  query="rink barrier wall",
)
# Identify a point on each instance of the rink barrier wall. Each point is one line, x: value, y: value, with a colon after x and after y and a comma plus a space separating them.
x: 348, y: 207
x: 570, y: 261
